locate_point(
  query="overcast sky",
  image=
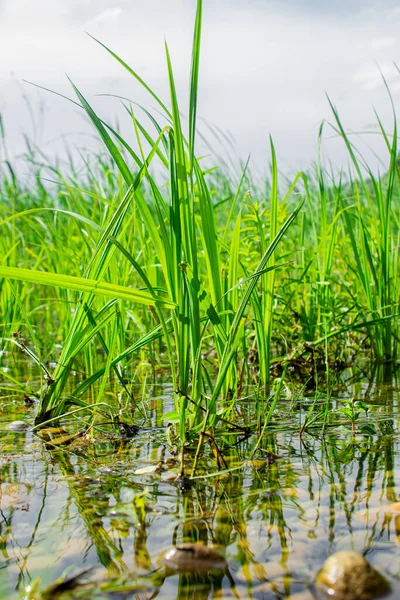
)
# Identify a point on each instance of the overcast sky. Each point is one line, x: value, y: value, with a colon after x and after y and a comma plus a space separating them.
x: 265, y: 67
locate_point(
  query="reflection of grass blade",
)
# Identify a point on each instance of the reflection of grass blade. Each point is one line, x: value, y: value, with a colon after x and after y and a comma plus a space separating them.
x: 108, y: 553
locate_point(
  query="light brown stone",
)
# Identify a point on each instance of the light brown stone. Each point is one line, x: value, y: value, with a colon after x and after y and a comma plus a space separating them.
x: 193, y: 558
x: 347, y: 575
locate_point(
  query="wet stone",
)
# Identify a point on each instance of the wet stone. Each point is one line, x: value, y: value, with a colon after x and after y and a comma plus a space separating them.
x: 17, y: 426
x: 348, y: 575
x: 14, y: 496
x: 193, y: 558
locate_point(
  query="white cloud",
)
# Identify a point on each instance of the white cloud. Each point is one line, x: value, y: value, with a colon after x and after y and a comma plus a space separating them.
x: 370, y: 75
x: 107, y: 15
x: 384, y: 42
x: 265, y: 69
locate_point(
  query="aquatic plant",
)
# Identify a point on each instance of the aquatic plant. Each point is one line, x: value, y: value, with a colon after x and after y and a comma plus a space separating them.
x: 179, y: 269
x: 149, y: 254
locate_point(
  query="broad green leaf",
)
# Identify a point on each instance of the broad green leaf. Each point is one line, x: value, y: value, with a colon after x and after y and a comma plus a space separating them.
x: 80, y: 284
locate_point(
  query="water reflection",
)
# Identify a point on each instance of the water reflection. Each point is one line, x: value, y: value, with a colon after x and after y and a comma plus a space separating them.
x: 83, y: 507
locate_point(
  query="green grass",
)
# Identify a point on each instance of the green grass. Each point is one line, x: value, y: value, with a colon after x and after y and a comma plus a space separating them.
x: 149, y: 254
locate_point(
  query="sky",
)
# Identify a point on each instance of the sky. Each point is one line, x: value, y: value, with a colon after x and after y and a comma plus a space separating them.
x: 267, y: 67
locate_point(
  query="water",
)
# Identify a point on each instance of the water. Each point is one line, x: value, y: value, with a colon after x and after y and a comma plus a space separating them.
x: 112, y: 506
x: 265, y: 69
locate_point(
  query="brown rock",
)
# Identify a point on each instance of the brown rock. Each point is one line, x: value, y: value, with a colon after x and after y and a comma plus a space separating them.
x: 193, y: 558
x: 347, y: 575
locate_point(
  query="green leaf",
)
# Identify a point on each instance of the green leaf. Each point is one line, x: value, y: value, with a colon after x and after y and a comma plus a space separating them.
x: 81, y: 284
x: 194, y: 80
x: 172, y: 417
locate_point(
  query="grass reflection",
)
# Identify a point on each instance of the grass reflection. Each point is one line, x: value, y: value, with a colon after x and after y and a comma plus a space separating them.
x: 276, y: 517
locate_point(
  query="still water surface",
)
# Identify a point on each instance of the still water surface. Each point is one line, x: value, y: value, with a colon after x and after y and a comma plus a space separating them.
x: 112, y: 506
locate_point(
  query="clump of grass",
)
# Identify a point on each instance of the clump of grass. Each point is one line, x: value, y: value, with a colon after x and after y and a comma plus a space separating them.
x: 185, y: 290
x: 196, y: 272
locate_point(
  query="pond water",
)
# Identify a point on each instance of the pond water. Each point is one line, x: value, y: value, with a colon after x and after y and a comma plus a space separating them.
x: 107, y: 507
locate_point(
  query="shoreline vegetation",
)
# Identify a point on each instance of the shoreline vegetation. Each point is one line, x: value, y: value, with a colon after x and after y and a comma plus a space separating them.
x: 149, y: 262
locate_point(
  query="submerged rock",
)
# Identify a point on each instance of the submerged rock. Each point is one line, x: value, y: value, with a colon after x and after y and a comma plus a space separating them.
x: 17, y: 426
x: 347, y: 575
x: 193, y: 558
x: 15, y: 496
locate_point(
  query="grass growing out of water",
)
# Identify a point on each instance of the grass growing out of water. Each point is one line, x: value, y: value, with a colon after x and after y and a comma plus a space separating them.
x: 197, y: 273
